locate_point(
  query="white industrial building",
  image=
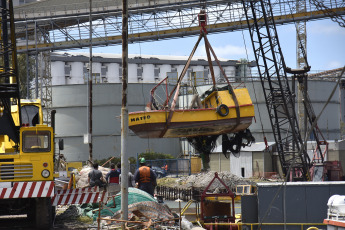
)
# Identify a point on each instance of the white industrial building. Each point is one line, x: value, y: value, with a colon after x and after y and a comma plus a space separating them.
x: 72, y: 68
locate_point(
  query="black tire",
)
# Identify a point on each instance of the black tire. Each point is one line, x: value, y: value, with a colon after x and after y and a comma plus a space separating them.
x: 223, y: 110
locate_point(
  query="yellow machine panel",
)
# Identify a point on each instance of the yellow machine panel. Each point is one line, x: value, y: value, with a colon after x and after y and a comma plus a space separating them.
x: 34, y: 162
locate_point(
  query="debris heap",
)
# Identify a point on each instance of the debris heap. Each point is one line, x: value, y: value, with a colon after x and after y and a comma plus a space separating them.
x: 202, y: 180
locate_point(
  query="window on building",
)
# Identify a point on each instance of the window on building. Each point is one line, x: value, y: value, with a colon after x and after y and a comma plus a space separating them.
x: 96, y: 78
x: 67, y: 70
x: 242, y: 172
x: 189, y: 73
x: 241, y: 70
x: 140, y: 72
x: 206, y: 71
x: 104, y: 70
x: 172, y: 77
x: 156, y: 73
x: 120, y: 73
x: 197, y: 78
x: 85, y: 74
x: 220, y: 78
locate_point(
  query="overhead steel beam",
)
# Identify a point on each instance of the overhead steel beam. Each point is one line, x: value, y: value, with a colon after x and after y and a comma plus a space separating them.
x: 75, y: 41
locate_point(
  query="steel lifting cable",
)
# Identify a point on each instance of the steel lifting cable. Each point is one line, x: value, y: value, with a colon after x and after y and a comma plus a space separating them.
x: 285, y: 179
x: 142, y: 91
x: 252, y: 81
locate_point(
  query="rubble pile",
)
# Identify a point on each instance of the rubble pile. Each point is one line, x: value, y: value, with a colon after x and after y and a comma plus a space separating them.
x: 146, y: 214
x: 202, y: 180
x: 143, y: 212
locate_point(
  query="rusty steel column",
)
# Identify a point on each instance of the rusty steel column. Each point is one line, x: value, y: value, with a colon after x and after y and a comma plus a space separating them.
x: 90, y: 86
x: 124, y: 114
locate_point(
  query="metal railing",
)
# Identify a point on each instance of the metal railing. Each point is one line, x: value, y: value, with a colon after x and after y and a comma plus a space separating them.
x: 170, y: 167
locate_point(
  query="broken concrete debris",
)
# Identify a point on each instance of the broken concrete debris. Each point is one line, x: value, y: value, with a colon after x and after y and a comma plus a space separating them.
x: 201, y: 180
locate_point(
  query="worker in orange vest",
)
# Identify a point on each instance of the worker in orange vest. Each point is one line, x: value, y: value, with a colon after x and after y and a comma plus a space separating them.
x: 145, y: 178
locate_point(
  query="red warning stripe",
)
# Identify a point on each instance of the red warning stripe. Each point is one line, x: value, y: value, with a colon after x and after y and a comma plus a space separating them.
x: 33, y: 185
x: 40, y: 191
x: 78, y: 196
x: 23, y: 189
x: 50, y: 190
x: 14, y: 189
x: 28, y: 190
x: 46, y: 189
x: 3, y: 192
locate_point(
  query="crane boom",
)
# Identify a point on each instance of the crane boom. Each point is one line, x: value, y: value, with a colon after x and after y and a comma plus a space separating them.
x: 9, y: 83
x: 280, y: 104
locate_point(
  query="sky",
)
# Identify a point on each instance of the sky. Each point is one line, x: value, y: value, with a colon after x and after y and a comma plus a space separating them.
x: 325, y: 45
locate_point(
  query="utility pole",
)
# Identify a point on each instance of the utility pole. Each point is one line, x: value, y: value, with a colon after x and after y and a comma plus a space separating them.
x: 90, y: 86
x: 124, y: 115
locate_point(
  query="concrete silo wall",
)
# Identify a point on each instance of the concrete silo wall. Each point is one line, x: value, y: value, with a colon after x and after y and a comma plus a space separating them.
x: 319, y: 91
x: 71, y: 101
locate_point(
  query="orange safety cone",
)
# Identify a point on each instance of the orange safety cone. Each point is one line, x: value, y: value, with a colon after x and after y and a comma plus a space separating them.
x: 70, y: 182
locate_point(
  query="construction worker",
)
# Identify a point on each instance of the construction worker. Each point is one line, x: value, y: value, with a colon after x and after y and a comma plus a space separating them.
x: 145, y: 178
x: 113, y: 179
x: 114, y: 174
x: 95, y: 177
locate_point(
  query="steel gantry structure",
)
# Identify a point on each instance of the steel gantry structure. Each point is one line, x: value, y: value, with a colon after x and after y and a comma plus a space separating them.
x: 59, y: 24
